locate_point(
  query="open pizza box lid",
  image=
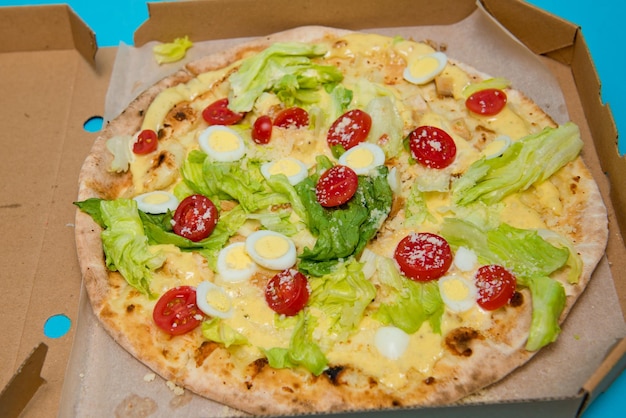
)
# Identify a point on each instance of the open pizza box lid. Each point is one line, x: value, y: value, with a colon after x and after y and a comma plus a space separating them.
x: 54, y: 80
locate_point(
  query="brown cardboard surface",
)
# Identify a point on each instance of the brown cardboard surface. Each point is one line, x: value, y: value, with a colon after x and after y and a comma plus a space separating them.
x: 50, y: 89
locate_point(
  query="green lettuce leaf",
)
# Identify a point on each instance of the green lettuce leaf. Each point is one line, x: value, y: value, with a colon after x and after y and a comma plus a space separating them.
x: 216, y: 330
x: 548, y: 299
x: 286, y: 69
x: 126, y: 245
x: 527, y: 161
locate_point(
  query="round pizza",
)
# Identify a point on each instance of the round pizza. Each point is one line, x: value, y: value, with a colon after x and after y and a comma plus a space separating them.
x: 323, y: 220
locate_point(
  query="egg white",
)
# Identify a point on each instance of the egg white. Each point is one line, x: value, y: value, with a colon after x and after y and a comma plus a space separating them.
x: 453, y: 302
x: 156, y: 202
x: 209, y: 305
x: 371, y: 151
x: 465, y: 259
x: 231, y: 271
x: 391, y: 342
x: 294, y: 178
x: 497, y: 147
x: 215, y: 152
x: 441, y: 59
x: 260, y: 246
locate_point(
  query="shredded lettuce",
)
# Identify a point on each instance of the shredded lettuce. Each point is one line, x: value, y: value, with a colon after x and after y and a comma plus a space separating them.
x: 284, y: 68
x: 126, y: 245
x: 302, y: 350
x: 386, y: 123
x: 216, y: 330
x: 529, y: 160
x: 172, y: 51
x: 413, y: 305
x: 531, y: 258
x: 490, y: 83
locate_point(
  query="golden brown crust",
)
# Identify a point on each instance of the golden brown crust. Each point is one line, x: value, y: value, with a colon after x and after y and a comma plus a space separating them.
x: 208, y: 369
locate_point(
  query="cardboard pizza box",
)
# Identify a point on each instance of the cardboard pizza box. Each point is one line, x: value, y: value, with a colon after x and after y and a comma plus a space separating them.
x: 54, y: 80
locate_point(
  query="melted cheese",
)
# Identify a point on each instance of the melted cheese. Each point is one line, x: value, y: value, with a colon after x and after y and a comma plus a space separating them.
x: 519, y: 215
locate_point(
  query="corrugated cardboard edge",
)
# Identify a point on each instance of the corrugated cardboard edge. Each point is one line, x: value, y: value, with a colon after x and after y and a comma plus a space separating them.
x: 45, y: 28
x: 261, y: 19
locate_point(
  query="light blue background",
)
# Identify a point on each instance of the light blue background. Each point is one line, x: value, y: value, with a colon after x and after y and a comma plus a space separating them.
x: 602, y: 23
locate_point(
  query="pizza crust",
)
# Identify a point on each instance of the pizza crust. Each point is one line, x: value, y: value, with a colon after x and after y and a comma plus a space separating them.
x: 207, y: 369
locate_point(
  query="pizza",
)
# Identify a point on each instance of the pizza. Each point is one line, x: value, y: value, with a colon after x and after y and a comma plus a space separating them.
x: 325, y: 220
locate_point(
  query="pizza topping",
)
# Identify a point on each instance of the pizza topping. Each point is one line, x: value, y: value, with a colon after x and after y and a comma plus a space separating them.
x: 487, y: 102
x: 363, y: 158
x: 271, y: 250
x: 287, y: 292
x: 156, y: 202
x: 176, y: 311
x: 336, y: 186
x: 465, y: 259
x: 391, y: 342
x: 213, y: 300
x: 234, y: 264
x: 496, y: 286
x: 432, y: 147
x: 423, y: 69
x: 195, y: 218
x: 292, y: 118
x: 423, y: 256
x: 349, y: 129
x: 222, y: 144
x: 458, y: 294
x: 294, y: 169
x: 147, y: 141
x: 262, y: 130
x: 218, y: 113
x: 497, y: 147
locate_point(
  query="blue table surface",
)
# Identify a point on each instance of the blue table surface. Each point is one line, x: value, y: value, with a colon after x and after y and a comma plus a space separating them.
x: 115, y: 21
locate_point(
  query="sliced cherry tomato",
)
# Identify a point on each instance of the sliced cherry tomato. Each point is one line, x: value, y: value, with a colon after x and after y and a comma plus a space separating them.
x: 486, y: 102
x: 287, y: 292
x: 262, y: 130
x: 496, y: 286
x: 293, y: 117
x: 336, y: 186
x: 176, y: 311
x: 423, y: 256
x: 218, y: 113
x: 432, y: 147
x: 349, y: 129
x: 147, y: 141
x: 195, y: 217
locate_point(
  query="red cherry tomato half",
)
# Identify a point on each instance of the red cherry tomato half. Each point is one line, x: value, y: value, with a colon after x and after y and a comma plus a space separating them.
x: 293, y: 117
x: 432, y: 147
x: 195, y: 217
x: 423, y: 256
x: 349, y: 129
x: 176, y: 311
x: 287, y: 292
x: 262, y: 130
x: 486, y: 102
x: 336, y: 186
x: 147, y: 141
x: 218, y: 113
x: 496, y: 286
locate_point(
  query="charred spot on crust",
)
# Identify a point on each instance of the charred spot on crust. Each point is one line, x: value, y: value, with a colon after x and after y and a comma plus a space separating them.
x: 257, y: 366
x: 333, y: 374
x: 458, y: 340
x: 429, y: 380
x: 204, y: 351
x: 130, y: 308
x: 180, y: 116
x: 396, y: 403
x: 517, y: 299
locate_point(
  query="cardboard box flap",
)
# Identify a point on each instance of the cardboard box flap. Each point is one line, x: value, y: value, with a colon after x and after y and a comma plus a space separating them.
x: 549, y: 33
x: 609, y: 370
x: 43, y: 28
x: 205, y: 20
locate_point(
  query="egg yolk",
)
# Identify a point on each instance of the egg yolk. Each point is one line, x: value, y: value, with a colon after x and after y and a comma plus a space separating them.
x: 455, y: 289
x: 271, y: 247
x: 360, y: 158
x: 223, y: 141
x: 284, y: 166
x: 156, y: 198
x: 218, y: 300
x: 423, y: 66
x: 238, y: 259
